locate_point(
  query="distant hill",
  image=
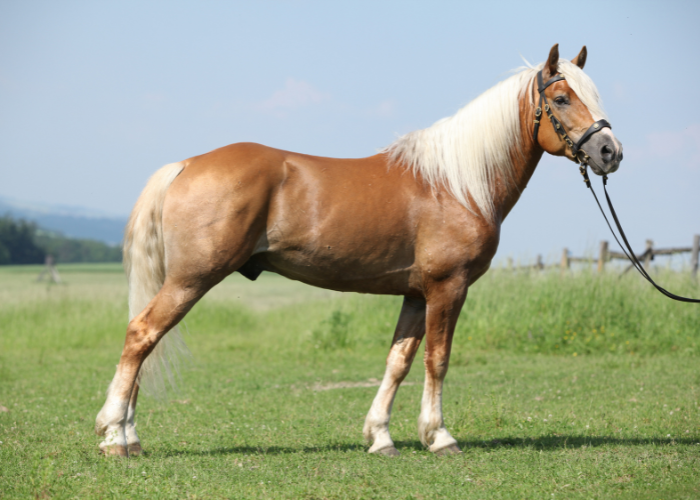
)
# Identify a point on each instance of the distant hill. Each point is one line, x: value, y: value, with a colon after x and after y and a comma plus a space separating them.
x: 23, y: 242
x: 73, y: 222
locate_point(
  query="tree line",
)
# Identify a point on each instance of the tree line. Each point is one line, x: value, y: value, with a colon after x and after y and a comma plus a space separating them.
x: 23, y: 242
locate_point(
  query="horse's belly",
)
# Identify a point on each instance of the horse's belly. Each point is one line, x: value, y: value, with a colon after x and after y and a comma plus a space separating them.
x: 345, y: 274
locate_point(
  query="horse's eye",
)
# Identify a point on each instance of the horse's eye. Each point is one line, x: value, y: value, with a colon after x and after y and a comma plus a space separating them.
x: 561, y: 100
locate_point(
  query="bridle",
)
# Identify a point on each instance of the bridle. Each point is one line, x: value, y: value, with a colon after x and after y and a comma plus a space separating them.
x: 582, y: 157
x: 575, y: 147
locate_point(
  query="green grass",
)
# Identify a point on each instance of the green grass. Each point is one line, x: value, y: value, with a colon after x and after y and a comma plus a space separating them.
x: 257, y: 414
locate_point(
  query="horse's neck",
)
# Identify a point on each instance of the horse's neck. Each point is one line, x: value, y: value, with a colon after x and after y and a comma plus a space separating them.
x: 507, y: 193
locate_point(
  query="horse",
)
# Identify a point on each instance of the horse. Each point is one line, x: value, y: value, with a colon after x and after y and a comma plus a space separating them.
x: 420, y: 219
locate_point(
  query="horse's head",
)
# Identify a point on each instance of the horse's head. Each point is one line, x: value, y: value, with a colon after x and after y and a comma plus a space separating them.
x: 572, y: 123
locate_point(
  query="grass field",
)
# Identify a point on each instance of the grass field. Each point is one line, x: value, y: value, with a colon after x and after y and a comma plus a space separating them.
x: 574, y: 387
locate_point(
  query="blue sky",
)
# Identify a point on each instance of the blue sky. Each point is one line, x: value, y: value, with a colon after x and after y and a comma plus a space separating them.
x: 95, y: 96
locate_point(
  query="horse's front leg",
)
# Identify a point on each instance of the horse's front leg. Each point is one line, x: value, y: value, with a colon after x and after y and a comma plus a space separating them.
x: 409, y: 333
x: 444, y: 304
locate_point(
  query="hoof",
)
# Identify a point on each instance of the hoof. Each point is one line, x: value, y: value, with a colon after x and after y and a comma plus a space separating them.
x: 387, y: 451
x: 452, y: 449
x: 114, y: 450
x: 135, y: 449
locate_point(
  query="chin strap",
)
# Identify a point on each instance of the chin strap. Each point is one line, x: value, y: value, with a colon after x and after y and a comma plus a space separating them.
x: 628, y: 251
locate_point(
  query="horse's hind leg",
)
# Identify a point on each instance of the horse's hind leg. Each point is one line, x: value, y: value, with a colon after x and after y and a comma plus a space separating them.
x: 166, y: 309
x: 133, y: 444
x: 409, y: 333
x: 132, y: 439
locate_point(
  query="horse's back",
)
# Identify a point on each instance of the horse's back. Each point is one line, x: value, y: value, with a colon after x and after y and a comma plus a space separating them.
x: 235, y: 162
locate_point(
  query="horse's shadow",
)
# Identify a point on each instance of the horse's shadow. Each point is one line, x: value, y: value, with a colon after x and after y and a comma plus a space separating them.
x: 544, y: 443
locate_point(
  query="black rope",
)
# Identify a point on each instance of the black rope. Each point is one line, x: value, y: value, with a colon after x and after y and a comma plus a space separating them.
x: 631, y: 256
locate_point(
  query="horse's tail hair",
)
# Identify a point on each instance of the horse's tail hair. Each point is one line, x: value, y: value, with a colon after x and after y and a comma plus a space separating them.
x: 144, y: 263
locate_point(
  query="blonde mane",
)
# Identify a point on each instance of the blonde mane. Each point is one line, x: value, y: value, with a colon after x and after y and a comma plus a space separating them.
x: 468, y: 151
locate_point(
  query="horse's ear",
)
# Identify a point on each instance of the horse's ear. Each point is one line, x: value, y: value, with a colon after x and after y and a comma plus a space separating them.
x: 553, y: 60
x: 580, y: 59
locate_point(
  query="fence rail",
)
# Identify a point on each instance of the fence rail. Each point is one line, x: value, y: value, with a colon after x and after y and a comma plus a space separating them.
x: 605, y: 255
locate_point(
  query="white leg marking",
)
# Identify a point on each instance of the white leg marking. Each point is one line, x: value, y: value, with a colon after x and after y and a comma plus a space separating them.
x: 431, y: 427
x: 111, y: 420
x: 131, y: 436
x: 376, y: 429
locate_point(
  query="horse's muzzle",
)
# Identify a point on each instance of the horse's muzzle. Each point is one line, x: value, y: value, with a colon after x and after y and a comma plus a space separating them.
x: 605, y: 154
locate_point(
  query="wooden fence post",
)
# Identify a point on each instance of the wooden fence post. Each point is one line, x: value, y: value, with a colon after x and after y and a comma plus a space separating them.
x: 602, y: 256
x: 49, y: 270
x: 694, y: 255
x: 539, y: 264
x: 648, y: 254
x: 509, y: 263
x: 564, y: 263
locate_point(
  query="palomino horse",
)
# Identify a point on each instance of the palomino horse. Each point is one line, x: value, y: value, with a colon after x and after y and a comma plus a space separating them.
x: 421, y: 219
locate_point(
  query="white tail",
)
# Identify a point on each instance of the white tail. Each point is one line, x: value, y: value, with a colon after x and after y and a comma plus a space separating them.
x: 144, y: 263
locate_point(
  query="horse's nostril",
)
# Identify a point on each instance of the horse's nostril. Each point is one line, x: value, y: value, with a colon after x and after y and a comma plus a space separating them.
x: 620, y: 157
x: 606, y: 153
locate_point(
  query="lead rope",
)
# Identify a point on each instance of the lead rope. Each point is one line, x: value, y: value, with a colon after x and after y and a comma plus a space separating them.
x: 583, y: 168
